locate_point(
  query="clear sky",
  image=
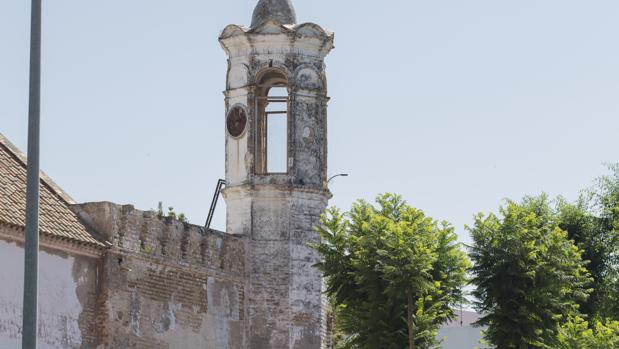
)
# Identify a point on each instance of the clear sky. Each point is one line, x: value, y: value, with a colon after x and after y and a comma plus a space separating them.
x: 454, y: 104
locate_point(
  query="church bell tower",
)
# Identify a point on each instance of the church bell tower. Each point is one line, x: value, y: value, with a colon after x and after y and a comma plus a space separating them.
x: 276, y: 170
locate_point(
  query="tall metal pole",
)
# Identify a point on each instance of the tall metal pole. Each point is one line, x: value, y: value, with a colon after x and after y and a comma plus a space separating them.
x: 31, y: 259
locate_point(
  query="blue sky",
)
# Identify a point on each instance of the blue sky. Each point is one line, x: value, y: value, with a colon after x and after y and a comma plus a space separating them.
x: 454, y: 104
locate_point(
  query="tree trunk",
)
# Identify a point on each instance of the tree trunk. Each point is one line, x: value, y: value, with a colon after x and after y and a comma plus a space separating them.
x: 411, y: 330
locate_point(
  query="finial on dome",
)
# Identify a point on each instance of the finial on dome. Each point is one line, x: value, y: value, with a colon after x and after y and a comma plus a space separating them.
x: 281, y: 11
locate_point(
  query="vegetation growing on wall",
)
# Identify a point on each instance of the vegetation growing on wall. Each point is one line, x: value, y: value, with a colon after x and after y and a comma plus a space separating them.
x: 171, y: 214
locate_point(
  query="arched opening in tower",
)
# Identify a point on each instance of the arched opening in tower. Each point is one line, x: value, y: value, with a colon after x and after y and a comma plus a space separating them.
x: 272, y: 123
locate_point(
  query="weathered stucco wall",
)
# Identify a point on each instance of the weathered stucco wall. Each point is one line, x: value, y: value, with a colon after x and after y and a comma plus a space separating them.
x: 277, y: 212
x: 67, y: 297
x: 167, y: 284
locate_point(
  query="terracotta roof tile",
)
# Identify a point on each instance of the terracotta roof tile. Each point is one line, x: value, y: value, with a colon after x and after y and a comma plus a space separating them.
x: 56, y: 218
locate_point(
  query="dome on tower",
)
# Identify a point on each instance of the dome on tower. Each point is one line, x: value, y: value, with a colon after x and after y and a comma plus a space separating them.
x: 281, y: 11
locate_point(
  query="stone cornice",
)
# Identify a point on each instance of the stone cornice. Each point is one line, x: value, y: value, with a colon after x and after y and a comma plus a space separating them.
x: 278, y: 188
x: 17, y: 234
x: 272, y: 37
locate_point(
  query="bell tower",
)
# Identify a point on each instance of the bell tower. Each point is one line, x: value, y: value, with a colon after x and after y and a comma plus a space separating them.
x: 276, y: 170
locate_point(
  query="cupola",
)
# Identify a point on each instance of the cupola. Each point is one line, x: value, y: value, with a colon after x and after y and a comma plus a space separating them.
x: 280, y: 11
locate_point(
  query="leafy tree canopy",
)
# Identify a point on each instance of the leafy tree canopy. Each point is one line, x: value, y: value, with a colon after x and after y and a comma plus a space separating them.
x: 593, y: 223
x: 393, y: 273
x: 580, y: 334
x: 529, y: 275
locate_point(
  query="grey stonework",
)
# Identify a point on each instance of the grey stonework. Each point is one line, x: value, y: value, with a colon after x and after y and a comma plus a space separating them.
x: 277, y: 212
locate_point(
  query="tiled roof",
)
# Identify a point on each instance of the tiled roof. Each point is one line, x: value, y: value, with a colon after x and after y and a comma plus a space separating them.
x: 56, y: 218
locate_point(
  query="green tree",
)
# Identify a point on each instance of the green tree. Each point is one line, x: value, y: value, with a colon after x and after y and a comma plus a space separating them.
x: 529, y: 275
x: 393, y: 273
x: 593, y: 223
x: 598, y: 244
x: 579, y: 334
x: 606, y: 205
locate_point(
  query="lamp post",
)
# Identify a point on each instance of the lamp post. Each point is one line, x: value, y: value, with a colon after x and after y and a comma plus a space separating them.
x: 31, y: 246
x: 337, y: 175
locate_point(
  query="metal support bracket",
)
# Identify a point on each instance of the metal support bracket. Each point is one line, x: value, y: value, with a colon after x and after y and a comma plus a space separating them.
x: 211, y: 212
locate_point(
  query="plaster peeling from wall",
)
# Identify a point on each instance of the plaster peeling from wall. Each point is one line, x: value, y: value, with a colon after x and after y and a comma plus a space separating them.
x: 297, y: 334
x: 167, y: 321
x: 136, y: 309
x: 59, y: 306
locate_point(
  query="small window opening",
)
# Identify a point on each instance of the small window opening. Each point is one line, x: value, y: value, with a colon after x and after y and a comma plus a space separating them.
x: 272, y: 140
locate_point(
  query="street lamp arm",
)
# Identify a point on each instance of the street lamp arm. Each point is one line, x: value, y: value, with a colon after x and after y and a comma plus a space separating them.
x: 337, y: 175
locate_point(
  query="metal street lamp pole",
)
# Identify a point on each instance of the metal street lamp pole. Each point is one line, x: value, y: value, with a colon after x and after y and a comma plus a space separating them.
x: 337, y: 175
x: 31, y: 258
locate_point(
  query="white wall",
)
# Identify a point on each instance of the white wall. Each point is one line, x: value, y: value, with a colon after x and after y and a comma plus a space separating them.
x: 465, y: 337
x: 59, y: 307
x: 460, y: 332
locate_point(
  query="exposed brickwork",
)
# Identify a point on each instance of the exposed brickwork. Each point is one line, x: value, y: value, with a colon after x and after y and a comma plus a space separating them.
x: 168, y: 284
x: 85, y: 272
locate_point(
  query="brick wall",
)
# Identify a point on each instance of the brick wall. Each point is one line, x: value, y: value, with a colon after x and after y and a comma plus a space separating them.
x: 166, y: 284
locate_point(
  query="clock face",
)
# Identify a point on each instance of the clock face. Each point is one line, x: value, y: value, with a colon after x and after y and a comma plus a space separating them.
x: 236, y: 121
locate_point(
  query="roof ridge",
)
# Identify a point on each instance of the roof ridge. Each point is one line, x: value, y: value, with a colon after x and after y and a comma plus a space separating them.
x: 55, y: 188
